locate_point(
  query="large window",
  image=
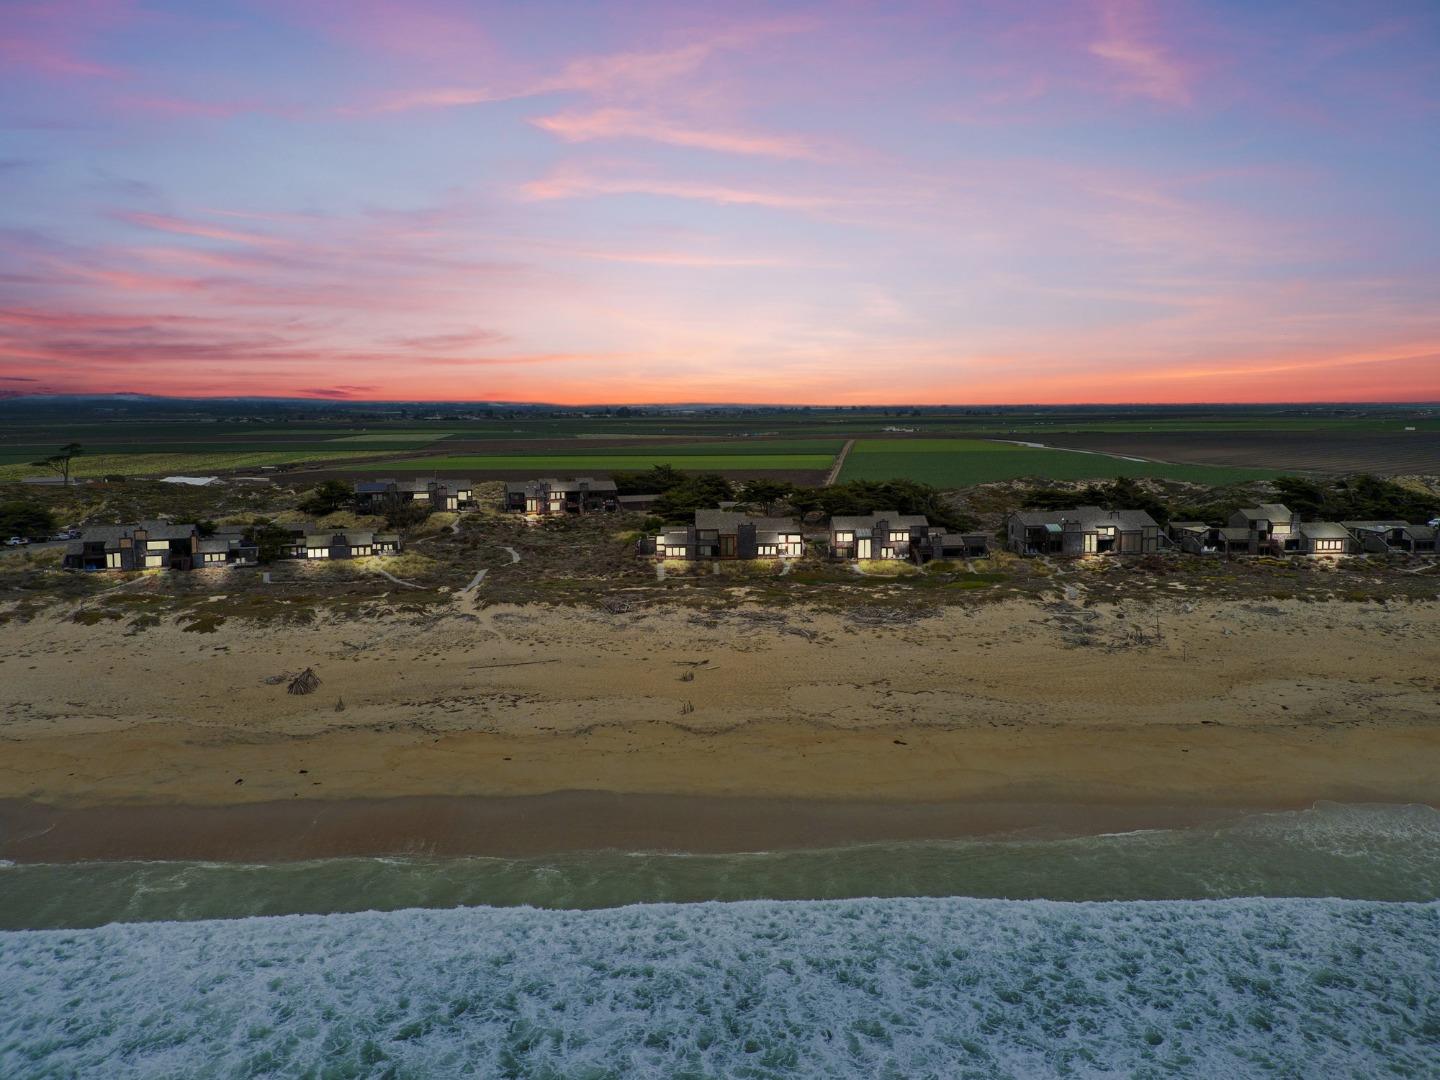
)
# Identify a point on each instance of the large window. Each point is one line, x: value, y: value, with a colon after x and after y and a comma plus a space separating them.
x: 845, y: 536
x: 112, y: 560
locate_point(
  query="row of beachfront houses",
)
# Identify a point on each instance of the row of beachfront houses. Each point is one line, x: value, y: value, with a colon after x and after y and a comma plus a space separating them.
x: 725, y: 533
x: 1267, y: 529
x: 162, y: 545
x: 537, y: 498
x: 729, y: 534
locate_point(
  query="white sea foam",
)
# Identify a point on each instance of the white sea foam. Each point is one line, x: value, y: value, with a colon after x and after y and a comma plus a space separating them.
x: 866, y: 988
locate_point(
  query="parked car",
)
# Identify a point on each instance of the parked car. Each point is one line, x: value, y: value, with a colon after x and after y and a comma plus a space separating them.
x: 17, y: 541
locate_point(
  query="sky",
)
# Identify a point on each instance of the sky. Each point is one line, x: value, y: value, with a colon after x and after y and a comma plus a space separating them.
x: 847, y: 203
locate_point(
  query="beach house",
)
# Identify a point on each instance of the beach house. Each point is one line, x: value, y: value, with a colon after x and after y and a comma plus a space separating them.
x: 578, y: 495
x: 1200, y: 538
x: 309, y: 540
x: 1270, y: 528
x: 372, y: 496
x: 940, y: 544
x: 881, y: 535
x: 1082, y: 530
x: 155, y: 545
x: 1392, y: 537
x: 325, y: 543
x: 725, y: 534
x: 1322, y: 538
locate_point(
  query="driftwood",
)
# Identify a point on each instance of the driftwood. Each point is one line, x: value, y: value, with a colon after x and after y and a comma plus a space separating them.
x: 307, y: 682
x: 512, y: 663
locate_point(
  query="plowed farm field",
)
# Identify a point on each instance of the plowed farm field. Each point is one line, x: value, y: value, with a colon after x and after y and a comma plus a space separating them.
x: 1395, y: 454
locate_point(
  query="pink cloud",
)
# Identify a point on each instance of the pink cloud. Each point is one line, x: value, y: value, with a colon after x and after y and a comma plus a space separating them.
x: 626, y: 76
x: 1145, y: 68
x: 52, y: 38
x: 573, y: 184
x: 186, y: 227
x: 615, y: 123
x: 685, y: 258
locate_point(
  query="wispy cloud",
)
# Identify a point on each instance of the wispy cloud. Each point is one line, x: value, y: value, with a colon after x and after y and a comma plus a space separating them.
x: 626, y: 75
x: 1145, y: 68
x: 616, y: 123
x: 189, y: 227
x: 575, y: 184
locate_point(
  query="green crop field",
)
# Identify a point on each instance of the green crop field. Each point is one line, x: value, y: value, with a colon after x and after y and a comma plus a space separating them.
x: 605, y: 461
x: 95, y: 465
x: 949, y: 463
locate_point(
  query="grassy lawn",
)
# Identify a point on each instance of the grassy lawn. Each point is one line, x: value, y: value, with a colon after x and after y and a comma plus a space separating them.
x: 964, y: 462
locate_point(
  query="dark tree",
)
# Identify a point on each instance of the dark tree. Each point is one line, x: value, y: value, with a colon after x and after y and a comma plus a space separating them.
x: 60, y: 463
x: 653, y: 481
x: 700, y: 492
x: 270, y: 539
x: 766, y: 493
x: 328, y: 497
x: 19, y: 517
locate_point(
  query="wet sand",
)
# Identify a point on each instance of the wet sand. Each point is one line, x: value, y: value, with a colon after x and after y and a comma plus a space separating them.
x: 536, y: 824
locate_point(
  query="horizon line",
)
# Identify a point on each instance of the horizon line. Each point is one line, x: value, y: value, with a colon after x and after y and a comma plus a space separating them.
x: 21, y: 397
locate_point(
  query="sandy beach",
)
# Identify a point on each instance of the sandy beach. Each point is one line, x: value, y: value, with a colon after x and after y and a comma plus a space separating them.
x: 977, y: 718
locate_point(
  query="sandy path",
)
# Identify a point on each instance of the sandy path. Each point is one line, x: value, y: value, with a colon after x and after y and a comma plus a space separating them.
x: 834, y: 473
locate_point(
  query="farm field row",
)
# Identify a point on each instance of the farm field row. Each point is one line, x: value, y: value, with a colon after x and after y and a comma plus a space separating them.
x: 605, y: 461
x: 97, y: 465
x: 950, y: 463
x: 1385, y: 453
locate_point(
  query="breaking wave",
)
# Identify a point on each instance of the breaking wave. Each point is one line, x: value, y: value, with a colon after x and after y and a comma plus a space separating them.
x: 907, y: 988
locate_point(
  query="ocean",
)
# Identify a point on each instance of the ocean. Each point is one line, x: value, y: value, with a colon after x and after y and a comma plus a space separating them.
x: 1278, y: 945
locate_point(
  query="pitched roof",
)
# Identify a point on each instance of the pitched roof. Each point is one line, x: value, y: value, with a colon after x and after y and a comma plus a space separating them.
x: 164, y: 530
x: 727, y: 521
x: 552, y: 483
x: 154, y: 530
x: 1266, y: 512
x: 351, y: 537
x: 1088, y: 518
x: 1324, y: 530
x: 865, y: 522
